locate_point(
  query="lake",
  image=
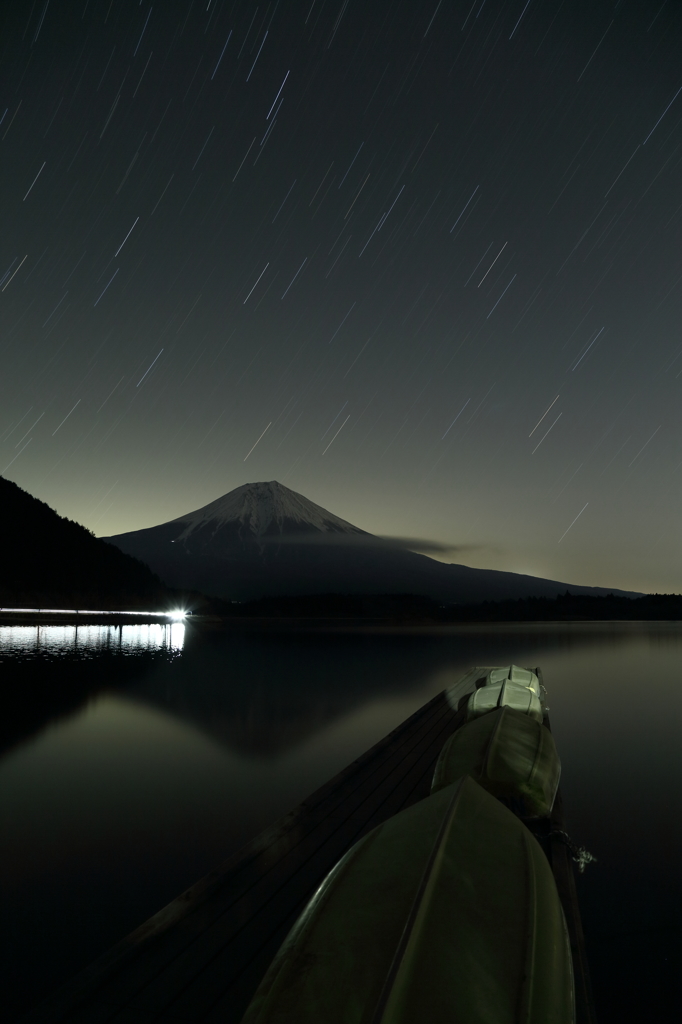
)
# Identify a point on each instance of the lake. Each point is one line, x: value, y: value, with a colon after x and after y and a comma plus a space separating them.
x: 136, y: 758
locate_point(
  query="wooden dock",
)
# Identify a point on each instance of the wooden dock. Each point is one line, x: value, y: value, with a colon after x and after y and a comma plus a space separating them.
x: 201, y: 958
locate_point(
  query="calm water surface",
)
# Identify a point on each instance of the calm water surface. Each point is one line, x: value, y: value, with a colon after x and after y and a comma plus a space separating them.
x: 136, y: 758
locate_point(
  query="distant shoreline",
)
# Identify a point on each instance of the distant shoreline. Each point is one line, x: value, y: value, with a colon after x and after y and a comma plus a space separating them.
x: 387, y: 627
x: 339, y: 626
x: 413, y: 610
x: 338, y: 612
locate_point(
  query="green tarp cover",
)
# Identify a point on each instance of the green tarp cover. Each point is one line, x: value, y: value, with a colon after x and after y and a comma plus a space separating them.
x: 505, y: 694
x: 447, y: 912
x: 509, y: 754
x: 521, y: 676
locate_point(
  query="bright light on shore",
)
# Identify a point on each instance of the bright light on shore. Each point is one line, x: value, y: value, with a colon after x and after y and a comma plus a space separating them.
x: 175, y: 616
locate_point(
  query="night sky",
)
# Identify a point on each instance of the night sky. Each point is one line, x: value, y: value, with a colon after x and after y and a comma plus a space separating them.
x: 417, y: 261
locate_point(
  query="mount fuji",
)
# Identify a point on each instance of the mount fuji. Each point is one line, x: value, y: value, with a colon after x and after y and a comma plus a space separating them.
x: 263, y: 539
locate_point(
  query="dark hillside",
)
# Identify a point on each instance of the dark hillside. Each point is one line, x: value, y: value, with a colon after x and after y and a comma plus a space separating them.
x: 50, y: 561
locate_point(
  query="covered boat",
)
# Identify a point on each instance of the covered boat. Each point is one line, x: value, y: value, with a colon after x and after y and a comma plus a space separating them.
x: 515, y: 674
x: 513, y: 687
x: 510, y: 754
x: 447, y: 912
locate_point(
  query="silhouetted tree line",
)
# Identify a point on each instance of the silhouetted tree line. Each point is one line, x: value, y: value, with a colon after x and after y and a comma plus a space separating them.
x: 574, y: 607
x: 414, y: 608
x: 50, y: 561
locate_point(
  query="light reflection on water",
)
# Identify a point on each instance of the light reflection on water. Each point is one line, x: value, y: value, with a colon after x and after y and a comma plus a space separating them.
x: 90, y: 641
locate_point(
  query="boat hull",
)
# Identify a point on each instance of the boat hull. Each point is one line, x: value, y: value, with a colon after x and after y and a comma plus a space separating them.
x: 446, y: 912
x: 508, y: 753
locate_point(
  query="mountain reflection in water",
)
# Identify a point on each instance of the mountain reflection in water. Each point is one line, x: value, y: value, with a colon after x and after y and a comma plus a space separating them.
x: 136, y: 758
x: 257, y: 694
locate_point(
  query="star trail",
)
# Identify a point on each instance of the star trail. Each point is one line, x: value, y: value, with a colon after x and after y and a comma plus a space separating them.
x: 451, y: 229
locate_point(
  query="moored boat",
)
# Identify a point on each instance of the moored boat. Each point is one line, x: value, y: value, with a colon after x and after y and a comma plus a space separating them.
x: 449, y: 910
x: 510, y: 754
x: 446, y: 912
x: 512, y: 687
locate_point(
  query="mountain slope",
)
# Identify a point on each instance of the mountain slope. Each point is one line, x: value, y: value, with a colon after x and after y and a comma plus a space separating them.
x: 49, y: 561
x: 263, y: 539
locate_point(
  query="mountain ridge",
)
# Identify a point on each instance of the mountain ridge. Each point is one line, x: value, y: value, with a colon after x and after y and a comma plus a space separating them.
x: 263, y: 539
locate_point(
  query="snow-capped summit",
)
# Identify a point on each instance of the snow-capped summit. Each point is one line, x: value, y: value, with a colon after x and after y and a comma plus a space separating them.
x: 263, y: 510
x: 255, y: 532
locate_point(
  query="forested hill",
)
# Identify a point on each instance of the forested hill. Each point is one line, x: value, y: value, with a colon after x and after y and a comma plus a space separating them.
x: 50, y: 561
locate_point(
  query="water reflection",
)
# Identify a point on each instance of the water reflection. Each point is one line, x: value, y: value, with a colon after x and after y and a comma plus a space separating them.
x: 51, y: 672
x: 263, y: 695
x: 138, y: 757
x: 89, y: 641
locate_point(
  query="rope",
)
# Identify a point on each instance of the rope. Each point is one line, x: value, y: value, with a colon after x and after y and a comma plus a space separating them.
x: 579, y: 854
